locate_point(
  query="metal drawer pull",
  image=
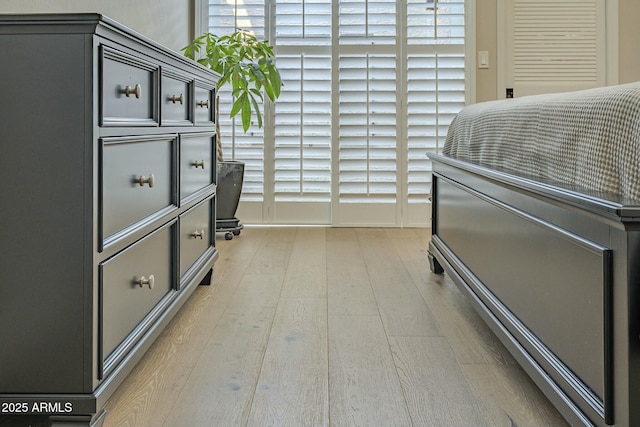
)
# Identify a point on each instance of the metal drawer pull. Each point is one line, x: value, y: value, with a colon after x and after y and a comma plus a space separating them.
x: 204, y: 104
x: 174, y: 98
x: 137, y: 90
x: 143, y: 281
x: 198, y: 164
x: 142, y: 181
x: 198, y: 234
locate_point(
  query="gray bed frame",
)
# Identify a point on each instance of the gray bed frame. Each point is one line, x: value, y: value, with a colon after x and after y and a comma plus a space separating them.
x: 555, y: 272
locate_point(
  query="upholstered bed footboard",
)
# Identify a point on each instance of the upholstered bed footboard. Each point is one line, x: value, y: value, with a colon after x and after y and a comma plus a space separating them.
x: 551, y: 270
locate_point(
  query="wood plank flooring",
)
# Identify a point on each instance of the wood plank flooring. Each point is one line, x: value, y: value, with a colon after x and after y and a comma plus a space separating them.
x: 313, y: 326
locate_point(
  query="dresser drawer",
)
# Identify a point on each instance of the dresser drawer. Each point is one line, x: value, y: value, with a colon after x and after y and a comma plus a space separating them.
x: 128, y: 89
x: 137, y: 180
x: 132, y: 284
x: 196, y: 162
x: 195, y: 234
x: 204, y: 105
x: 175, y: 96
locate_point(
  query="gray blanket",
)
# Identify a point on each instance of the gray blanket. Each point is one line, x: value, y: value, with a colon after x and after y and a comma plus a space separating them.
x: 588, y: 139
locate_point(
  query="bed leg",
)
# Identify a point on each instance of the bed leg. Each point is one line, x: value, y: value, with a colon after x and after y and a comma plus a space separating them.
x: 434, y: 265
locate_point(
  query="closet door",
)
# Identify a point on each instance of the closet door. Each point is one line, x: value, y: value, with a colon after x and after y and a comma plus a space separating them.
x: 556, y: 45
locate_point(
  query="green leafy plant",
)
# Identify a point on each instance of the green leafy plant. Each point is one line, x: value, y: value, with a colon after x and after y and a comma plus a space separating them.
x: 244, y: 62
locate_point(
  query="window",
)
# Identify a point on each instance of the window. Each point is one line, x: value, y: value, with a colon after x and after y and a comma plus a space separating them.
x: 370, y: 87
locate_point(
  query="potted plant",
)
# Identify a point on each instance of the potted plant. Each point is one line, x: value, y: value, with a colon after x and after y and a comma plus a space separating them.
x: 245, y: 63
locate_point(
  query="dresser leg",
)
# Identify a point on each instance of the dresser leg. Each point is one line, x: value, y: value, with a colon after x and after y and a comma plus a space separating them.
x: 78, y: 420
x: 206, y: 280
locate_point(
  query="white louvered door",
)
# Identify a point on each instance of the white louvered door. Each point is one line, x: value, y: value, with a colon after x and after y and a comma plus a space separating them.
x: 553, y: 45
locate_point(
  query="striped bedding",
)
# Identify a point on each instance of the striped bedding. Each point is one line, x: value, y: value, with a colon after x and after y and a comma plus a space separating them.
x: 588, y: 139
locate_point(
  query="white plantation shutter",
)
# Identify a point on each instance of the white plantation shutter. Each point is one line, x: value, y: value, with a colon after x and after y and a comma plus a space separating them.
x: 367, y: 22
x: 248, y: 148
x: 435, y: 96
x: 368, y: 92
x: 302, y: 148
x: 435, y: 89
x: 303, y: 22
x: 423, y: 133
x: 367, y: 113
x: 224, y: 18
x: 440, y: 22
x: 368, y: 128
x: 303, y: 129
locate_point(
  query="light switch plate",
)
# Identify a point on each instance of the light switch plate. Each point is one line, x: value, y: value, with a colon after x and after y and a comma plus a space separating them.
x: 483, y: 59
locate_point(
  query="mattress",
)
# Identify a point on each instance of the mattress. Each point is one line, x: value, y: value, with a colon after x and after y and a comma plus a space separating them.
x: 588, y: 139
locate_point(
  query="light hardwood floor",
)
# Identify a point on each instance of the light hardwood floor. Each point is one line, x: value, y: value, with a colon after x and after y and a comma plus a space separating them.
x: 311, y: 326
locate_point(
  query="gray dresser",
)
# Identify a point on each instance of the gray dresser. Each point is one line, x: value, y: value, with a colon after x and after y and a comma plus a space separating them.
x: 107, y: 205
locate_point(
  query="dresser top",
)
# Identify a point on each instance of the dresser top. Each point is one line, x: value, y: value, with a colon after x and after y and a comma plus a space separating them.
x: 60, y: 23
x: 82, y: 23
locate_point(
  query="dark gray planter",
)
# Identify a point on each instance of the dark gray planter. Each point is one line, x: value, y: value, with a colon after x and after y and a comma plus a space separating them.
x: 230, y: 175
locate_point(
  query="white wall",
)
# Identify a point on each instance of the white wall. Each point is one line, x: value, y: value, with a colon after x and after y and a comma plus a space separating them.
x: 168, y: 22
